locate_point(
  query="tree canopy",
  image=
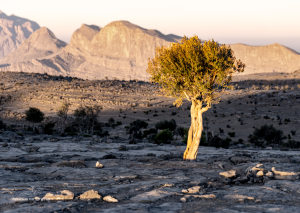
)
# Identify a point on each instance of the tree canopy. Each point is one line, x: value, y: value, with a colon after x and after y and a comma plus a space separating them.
x: 194, y: 69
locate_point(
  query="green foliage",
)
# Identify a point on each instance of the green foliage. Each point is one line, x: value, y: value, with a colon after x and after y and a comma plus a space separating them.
x: 186, y: 135
x: 171, y: 125
x: 149, y: 131
x: 216, y: 141
x: 139, y: 123
x: 34, y: 115
x: 179, y: 131
x: 266, y: 134
x: 118, y: 123
x: 48, y: 128
x: 134, y: 128
x: 164, y: 136
x: 231, y: 134
x: 194, y: 70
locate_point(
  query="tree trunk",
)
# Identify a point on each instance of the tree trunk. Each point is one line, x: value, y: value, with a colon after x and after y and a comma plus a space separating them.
x: 195, y: 131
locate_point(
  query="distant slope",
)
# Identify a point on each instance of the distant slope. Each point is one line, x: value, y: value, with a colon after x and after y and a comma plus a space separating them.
x: 269, y: 58
x: 13, y: 31
x: 120, y: 49
x: 41, y: 43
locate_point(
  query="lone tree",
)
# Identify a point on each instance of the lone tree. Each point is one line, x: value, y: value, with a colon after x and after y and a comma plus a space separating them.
x: 197, y: 71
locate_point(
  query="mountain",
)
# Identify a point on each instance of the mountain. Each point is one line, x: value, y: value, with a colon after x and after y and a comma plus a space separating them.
x: 41, y: 43
x: 269, y: 58
x: 120, y: 49
x: 13, y: 31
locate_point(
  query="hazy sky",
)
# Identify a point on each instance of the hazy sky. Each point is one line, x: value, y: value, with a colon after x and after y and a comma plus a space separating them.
x: 255, y: 22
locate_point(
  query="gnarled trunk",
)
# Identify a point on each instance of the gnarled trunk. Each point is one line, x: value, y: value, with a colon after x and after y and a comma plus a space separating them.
x: 195, y: 131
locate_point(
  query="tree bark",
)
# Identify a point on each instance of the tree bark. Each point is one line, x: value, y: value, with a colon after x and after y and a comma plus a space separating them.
x: 195, y: 131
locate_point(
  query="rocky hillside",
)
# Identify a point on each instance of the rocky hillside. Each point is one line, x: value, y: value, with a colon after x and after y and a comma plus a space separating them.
x: 14, y: 30
x: 41, y: 43
x: 120, y: 50
x: 269, y: 58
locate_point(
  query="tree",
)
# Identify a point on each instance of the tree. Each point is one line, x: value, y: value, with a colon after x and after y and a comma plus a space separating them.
x: 197, y: 71
x: 86, y: 118
x: 34, y: 115
x: 63, y: 113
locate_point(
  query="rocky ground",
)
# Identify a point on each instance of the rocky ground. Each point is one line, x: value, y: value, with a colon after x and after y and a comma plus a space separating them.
x: 144, y: 177
x: 50, y: 173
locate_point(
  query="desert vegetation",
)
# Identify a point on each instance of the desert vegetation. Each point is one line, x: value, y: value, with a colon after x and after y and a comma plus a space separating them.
x: 194, y: 71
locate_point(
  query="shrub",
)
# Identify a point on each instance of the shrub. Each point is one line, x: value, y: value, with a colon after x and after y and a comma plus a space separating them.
x: 231, y: 134
x: 118, y: 123
x: 164, y: 136
x: 139, y: 123
x: 293, y: 132
x: 86, y: 118
x: 2, y: 125
x: 186, y: 135
x: 266, y: 134
x: 292, y: 144
x: 171, y: 125
x: 215, y: 141
x: 134, y: 128
x: 173, y: 113
x: 48, y: 128
x: 111, y: 122
x: 149, y: 131
x: 34, y: 115
x: 180, y: 131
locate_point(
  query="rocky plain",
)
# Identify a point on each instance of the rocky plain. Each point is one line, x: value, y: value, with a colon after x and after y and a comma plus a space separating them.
x: 118, y: 173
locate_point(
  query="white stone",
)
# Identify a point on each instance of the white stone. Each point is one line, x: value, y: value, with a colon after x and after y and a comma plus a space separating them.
x: 99, y: 165
x: 228, y: 174
x: 110, y: 199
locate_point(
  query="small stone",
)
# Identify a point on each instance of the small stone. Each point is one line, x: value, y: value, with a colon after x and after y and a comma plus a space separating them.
x: 110, y: 199
x: 183, y: 200
x: 91, y: 194
x: 211, y: 196
x: 270, y: 174
x: 228, y: 174
x: 99, y: 165
x: 260, y: 174
x: 193, y: 190
x: 65, y: 195
x: 4, y: 144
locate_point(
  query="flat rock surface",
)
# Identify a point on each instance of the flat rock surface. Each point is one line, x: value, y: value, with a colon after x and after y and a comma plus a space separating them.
x: 142, y: 182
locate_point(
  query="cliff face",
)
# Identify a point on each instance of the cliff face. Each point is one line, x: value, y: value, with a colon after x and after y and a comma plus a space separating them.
x: 41, y: 43
x: 13, y: 31
x: 120, y: 50
x: 269, y: 58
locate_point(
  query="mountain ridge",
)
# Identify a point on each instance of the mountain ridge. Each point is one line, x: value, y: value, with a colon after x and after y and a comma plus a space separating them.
x: 13, y: 31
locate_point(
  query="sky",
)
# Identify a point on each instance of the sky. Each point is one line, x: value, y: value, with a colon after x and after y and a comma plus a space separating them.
x: 255, y: 22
